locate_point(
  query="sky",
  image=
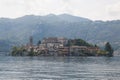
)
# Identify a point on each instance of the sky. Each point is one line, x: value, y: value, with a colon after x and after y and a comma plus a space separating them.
x: 92, y: 9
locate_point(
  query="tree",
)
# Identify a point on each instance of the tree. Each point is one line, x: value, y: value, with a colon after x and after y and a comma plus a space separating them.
x: 96, y: 45
x: 39, y: 42
x: 77, y: 42
x: 70, y: 43
x: 109, y: 49
x: 31, y: 53
x: 17, y: 51
x: 14, y: 51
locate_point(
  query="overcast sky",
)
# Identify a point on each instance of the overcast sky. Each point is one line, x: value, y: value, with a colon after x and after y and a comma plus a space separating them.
x: 92, y: 9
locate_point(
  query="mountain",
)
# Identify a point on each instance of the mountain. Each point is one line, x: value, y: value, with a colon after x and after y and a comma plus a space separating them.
x: 17, y: 31
x: 70, y: 18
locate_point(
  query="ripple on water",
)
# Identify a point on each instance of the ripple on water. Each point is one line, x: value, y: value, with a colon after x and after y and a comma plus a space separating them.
x: 59, y: 68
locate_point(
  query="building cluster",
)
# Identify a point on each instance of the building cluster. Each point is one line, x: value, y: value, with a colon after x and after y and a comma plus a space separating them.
x: 58, y: 47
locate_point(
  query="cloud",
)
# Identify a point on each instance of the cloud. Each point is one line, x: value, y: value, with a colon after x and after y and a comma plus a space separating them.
x: 17, y: 8
x: 114, y: 10
x: 100, y: 9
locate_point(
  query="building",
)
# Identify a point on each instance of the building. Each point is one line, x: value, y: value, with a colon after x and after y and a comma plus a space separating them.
x: 83, y: 50
x: 63, y: 51
x: 63, y: 40
x: 77, y: 50
x: 93, y: 49
x: 53, y: 43
x: 57, y: 47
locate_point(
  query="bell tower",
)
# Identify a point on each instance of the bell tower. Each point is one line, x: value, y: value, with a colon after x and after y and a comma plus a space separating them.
x: 31, y: 41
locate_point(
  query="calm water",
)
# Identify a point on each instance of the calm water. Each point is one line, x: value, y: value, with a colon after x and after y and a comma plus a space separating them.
x: 59, y: 68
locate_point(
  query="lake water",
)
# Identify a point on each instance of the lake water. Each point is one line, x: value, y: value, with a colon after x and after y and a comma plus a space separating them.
x: 59, y: 68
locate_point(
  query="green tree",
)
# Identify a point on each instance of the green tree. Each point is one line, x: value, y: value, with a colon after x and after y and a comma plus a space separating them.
x: 14, y: 51
x: 70, y: 43
x: 77, y: 42
x: 96, y: 45
x: 39, y: 42
x: 17, y: 51
x: 31, y: 53
x: 109, y: 49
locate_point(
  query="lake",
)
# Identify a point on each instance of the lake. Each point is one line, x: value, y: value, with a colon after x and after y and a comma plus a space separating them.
x: 59, y: 68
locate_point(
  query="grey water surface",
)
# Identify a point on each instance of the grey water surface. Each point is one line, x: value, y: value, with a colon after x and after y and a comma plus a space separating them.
x: 59, y: 68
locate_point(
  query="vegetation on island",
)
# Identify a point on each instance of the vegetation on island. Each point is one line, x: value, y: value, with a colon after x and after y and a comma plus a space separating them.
x: 109, y: 49
x: 78, y: 42
x: 17, y: 51
x: 73, y: 47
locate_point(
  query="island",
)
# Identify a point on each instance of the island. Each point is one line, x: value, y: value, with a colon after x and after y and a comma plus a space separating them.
x: 60, y: 46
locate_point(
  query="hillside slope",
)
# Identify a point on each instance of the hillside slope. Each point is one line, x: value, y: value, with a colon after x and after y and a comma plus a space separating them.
x: 18, y: 30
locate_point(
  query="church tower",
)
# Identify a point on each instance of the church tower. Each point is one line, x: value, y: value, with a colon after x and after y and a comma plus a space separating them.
x: 31, y: 41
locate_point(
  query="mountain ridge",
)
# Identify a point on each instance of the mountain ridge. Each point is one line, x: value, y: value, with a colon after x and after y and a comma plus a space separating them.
x: 19, y: 29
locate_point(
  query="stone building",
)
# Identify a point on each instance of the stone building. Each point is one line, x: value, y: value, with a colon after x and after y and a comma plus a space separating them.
x: 53, y: 43
x: 78, y: 50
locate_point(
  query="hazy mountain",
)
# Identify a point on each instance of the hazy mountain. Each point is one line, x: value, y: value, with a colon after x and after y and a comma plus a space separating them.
x: 18, y: 30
